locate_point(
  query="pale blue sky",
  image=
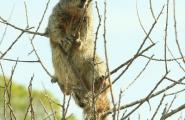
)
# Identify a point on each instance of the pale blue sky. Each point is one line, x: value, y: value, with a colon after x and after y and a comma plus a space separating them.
x: 124, y: 36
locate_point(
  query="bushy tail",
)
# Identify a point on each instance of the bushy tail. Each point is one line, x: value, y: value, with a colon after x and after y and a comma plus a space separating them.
x: 93, y: 109
x: 102, y: 105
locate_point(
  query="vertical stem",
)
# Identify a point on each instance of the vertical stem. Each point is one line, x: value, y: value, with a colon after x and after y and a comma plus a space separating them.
x: 106, y: 57
x: 165, y: 38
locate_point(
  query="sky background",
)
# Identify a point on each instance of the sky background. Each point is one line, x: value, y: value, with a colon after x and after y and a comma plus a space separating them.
x: 124, y: 36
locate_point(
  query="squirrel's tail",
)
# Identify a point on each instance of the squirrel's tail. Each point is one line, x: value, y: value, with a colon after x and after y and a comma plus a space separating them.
x: 101, y: 104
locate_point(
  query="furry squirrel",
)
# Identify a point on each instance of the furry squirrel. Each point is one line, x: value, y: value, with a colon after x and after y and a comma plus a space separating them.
x: 70, y: 30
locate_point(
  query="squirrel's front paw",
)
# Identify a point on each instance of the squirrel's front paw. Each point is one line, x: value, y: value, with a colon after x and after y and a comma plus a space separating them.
x: 70, y: 42
x: 75, y: 40
x: 73, y: 37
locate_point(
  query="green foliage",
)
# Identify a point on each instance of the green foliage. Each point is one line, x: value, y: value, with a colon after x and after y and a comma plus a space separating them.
x: 71, y: 117
x: 44, y: 104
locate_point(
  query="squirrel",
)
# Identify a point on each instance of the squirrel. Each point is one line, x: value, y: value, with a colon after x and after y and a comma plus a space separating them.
x: 77, y: 69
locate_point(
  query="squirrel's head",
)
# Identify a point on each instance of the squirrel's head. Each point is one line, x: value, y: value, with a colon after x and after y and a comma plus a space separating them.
x: 74, y: 3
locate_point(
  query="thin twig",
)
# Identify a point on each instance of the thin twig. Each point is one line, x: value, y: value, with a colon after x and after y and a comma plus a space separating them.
x: 176, y: 92
x: 49, y: 115
x: 5, y: 93
x: 106, y: 57
x: 140, y: 73
x: 176, y: 34
x: 94, y: 57
x: 119, y: 103
x: 161, y: 60
x: 138, y: 16
x: 164, y: 111
x: 168, y: 109
x: 128, y: 63
x: 24, y: 61
x: 63, y: 107
x: 9, y: 92
x: 170, y: 79
x: 180, y: 66
x: 148, y: 96
x: 151, y: 96
x: 6, y: 27
x: 30, y: 106
x: 26, y: 13
x: 165, y: 38
x: 151, y: 10
x: 160, y: 103
x: 21, y: 29
x: 67, y: 106
x: 174, y: 111
x: 11, y: 112
x: 34, y: 49
x: 124, y: 114
x: 141, y: 46
x: 45, y: 110
x: 13, y: 43
x: 50, y: 100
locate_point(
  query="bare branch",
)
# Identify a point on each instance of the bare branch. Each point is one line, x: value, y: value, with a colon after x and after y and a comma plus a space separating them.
x: 148, y: 96
x: 24, y: 61
x: 21, y: 29
x: 174, y: 111
x: 30, y: 107
x: 176, y: 34
x: 106, y: 59
x: 9, y: 48
x: 139, y: 74
x: 165, y: 38
x: 34, y: 49
x: 162, y: 60
x: 142, y: 100
x: 6, y: 27
x: 161, y: 101
x: 151, y: 10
